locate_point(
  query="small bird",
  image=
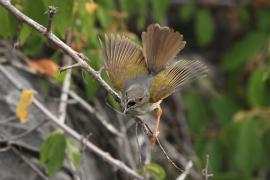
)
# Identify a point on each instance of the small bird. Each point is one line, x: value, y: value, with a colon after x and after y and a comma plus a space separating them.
x: 145, y: 76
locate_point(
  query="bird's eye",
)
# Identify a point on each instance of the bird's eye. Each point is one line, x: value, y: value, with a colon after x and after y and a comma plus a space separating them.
x: 140, y: 99
x: 130, y: 103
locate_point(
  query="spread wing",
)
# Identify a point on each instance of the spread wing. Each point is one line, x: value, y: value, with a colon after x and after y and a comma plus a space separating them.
x: 123, y: 59
x: 175, y: 76
x: 160, y: 46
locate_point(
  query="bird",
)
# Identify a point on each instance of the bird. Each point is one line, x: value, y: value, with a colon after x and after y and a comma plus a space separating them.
x: 144, y: 76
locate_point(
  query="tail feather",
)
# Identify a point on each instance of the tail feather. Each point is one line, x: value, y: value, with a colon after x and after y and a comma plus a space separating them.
x: 160, y: 46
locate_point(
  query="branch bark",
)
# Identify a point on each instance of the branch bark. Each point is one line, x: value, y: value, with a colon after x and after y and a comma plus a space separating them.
x: 60, y: 44
x: 69, y: 131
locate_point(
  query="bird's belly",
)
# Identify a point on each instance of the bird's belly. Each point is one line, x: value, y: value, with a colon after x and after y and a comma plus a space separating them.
x: 145, y: 108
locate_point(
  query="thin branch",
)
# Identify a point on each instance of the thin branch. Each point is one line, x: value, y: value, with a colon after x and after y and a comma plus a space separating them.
x: 64, y: 68
x: 104, y: 155
x: 29, y: 163
x: 186, y: 172
x: 9, y: 119
x: 51, y: 12
x: 68, y: 50
x: 98, y: 115
x: 19, y: 136
x: 205, y: 170
x: 149, y: 133
x: 66, y: 84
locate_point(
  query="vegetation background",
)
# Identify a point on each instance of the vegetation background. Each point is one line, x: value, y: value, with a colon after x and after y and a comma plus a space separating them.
x: 227, y: 114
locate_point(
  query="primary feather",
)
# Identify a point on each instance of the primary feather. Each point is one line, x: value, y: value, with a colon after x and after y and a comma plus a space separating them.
x: 175, y: 76
x: 123, y: 59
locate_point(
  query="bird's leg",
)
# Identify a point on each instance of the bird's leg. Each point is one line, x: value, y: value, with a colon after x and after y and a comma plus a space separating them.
x: 156, y: 132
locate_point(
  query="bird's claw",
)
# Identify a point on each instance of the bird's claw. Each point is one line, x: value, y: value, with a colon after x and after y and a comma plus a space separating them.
x: 154, y: 137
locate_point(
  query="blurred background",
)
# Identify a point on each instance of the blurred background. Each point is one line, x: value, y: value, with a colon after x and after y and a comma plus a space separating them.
x: 225, y: 115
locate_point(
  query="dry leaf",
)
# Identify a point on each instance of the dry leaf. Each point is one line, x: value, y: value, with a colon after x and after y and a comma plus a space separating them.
x: 91, y: 7
x: 23, y: 105
x: 44, y: 66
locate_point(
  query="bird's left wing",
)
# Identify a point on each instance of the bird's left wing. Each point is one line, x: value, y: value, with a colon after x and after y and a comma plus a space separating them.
x: 175, y: 76
x: 123, y: 59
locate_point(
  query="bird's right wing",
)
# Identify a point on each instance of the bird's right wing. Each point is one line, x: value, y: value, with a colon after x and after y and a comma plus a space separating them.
x: 175, y: 76
x: 123, y: 59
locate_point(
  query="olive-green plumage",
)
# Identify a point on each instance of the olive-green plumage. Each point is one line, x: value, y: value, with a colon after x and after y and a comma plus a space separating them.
x: 147, y: 76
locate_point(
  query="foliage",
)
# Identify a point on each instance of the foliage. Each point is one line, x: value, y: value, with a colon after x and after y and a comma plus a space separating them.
x: 154, y: 170
x: 52, y: 152
x: 230, y: 123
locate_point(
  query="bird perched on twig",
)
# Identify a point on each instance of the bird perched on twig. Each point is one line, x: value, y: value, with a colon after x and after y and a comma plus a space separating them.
x: 145, y: 76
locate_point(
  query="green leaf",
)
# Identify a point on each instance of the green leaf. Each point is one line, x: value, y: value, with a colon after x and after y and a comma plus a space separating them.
x: 8, y: 23
x: 113, y: 103
x: 73, y: 153
x: 128, y: 6
x: 63, y: 17
x: 223, y: 109
x: 204, y: 27
x: 241, y: 51
x: 248, y: 146
x: 103, y: 17
x: 257, y: 91
x: 263, y: 19
x: 156, y: 170
x: 160, y: 8
x: 52, y: 152
x: 196, y: 112
x: 213, y: 149
x: 142, y: 13
x: 24, y: 34
x: 186, y: 12
x: 34, y: 43
x: 36, y: 10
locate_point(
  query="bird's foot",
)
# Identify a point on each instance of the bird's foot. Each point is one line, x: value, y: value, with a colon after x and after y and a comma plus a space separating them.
x: 153, y: 138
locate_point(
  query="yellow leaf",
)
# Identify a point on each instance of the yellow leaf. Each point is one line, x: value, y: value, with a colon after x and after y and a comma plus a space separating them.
x: 91, y: 7
x: 23, y: 105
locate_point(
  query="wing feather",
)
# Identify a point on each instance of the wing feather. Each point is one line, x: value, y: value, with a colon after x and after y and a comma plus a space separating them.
x: 160, y: 46
x: 123, y: 59
x: 175, y: 76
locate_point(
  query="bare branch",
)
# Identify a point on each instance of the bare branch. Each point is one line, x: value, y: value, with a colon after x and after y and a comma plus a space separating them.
x: 51, y: 12
x: 19, y: 136
x: 104, y: 155
x: 186, y: 172
x: 68, y: 50
x: 205, y: 170
x: 104, y: 121
x: 66, y: 84
x: 61, y: 69
x: 29, y: 163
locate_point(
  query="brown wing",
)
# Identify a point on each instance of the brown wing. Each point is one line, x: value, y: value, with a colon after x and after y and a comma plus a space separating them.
x: 123, y: 59
x: 160, y: 45
x: 175, y: 76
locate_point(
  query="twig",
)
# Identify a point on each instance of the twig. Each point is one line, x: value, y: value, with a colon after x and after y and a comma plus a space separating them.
x: 61, y: 69
x: 68, y: 50
x: 66, y: 84
x: 29, y: 163
x: 98, y: 115
x: 205, y: 170
x: 186, y: 172
x: 149, y: 133
x: 9, y: 119
x: 51, y: 12
x: 104, y: 155
x: 19, y: 136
